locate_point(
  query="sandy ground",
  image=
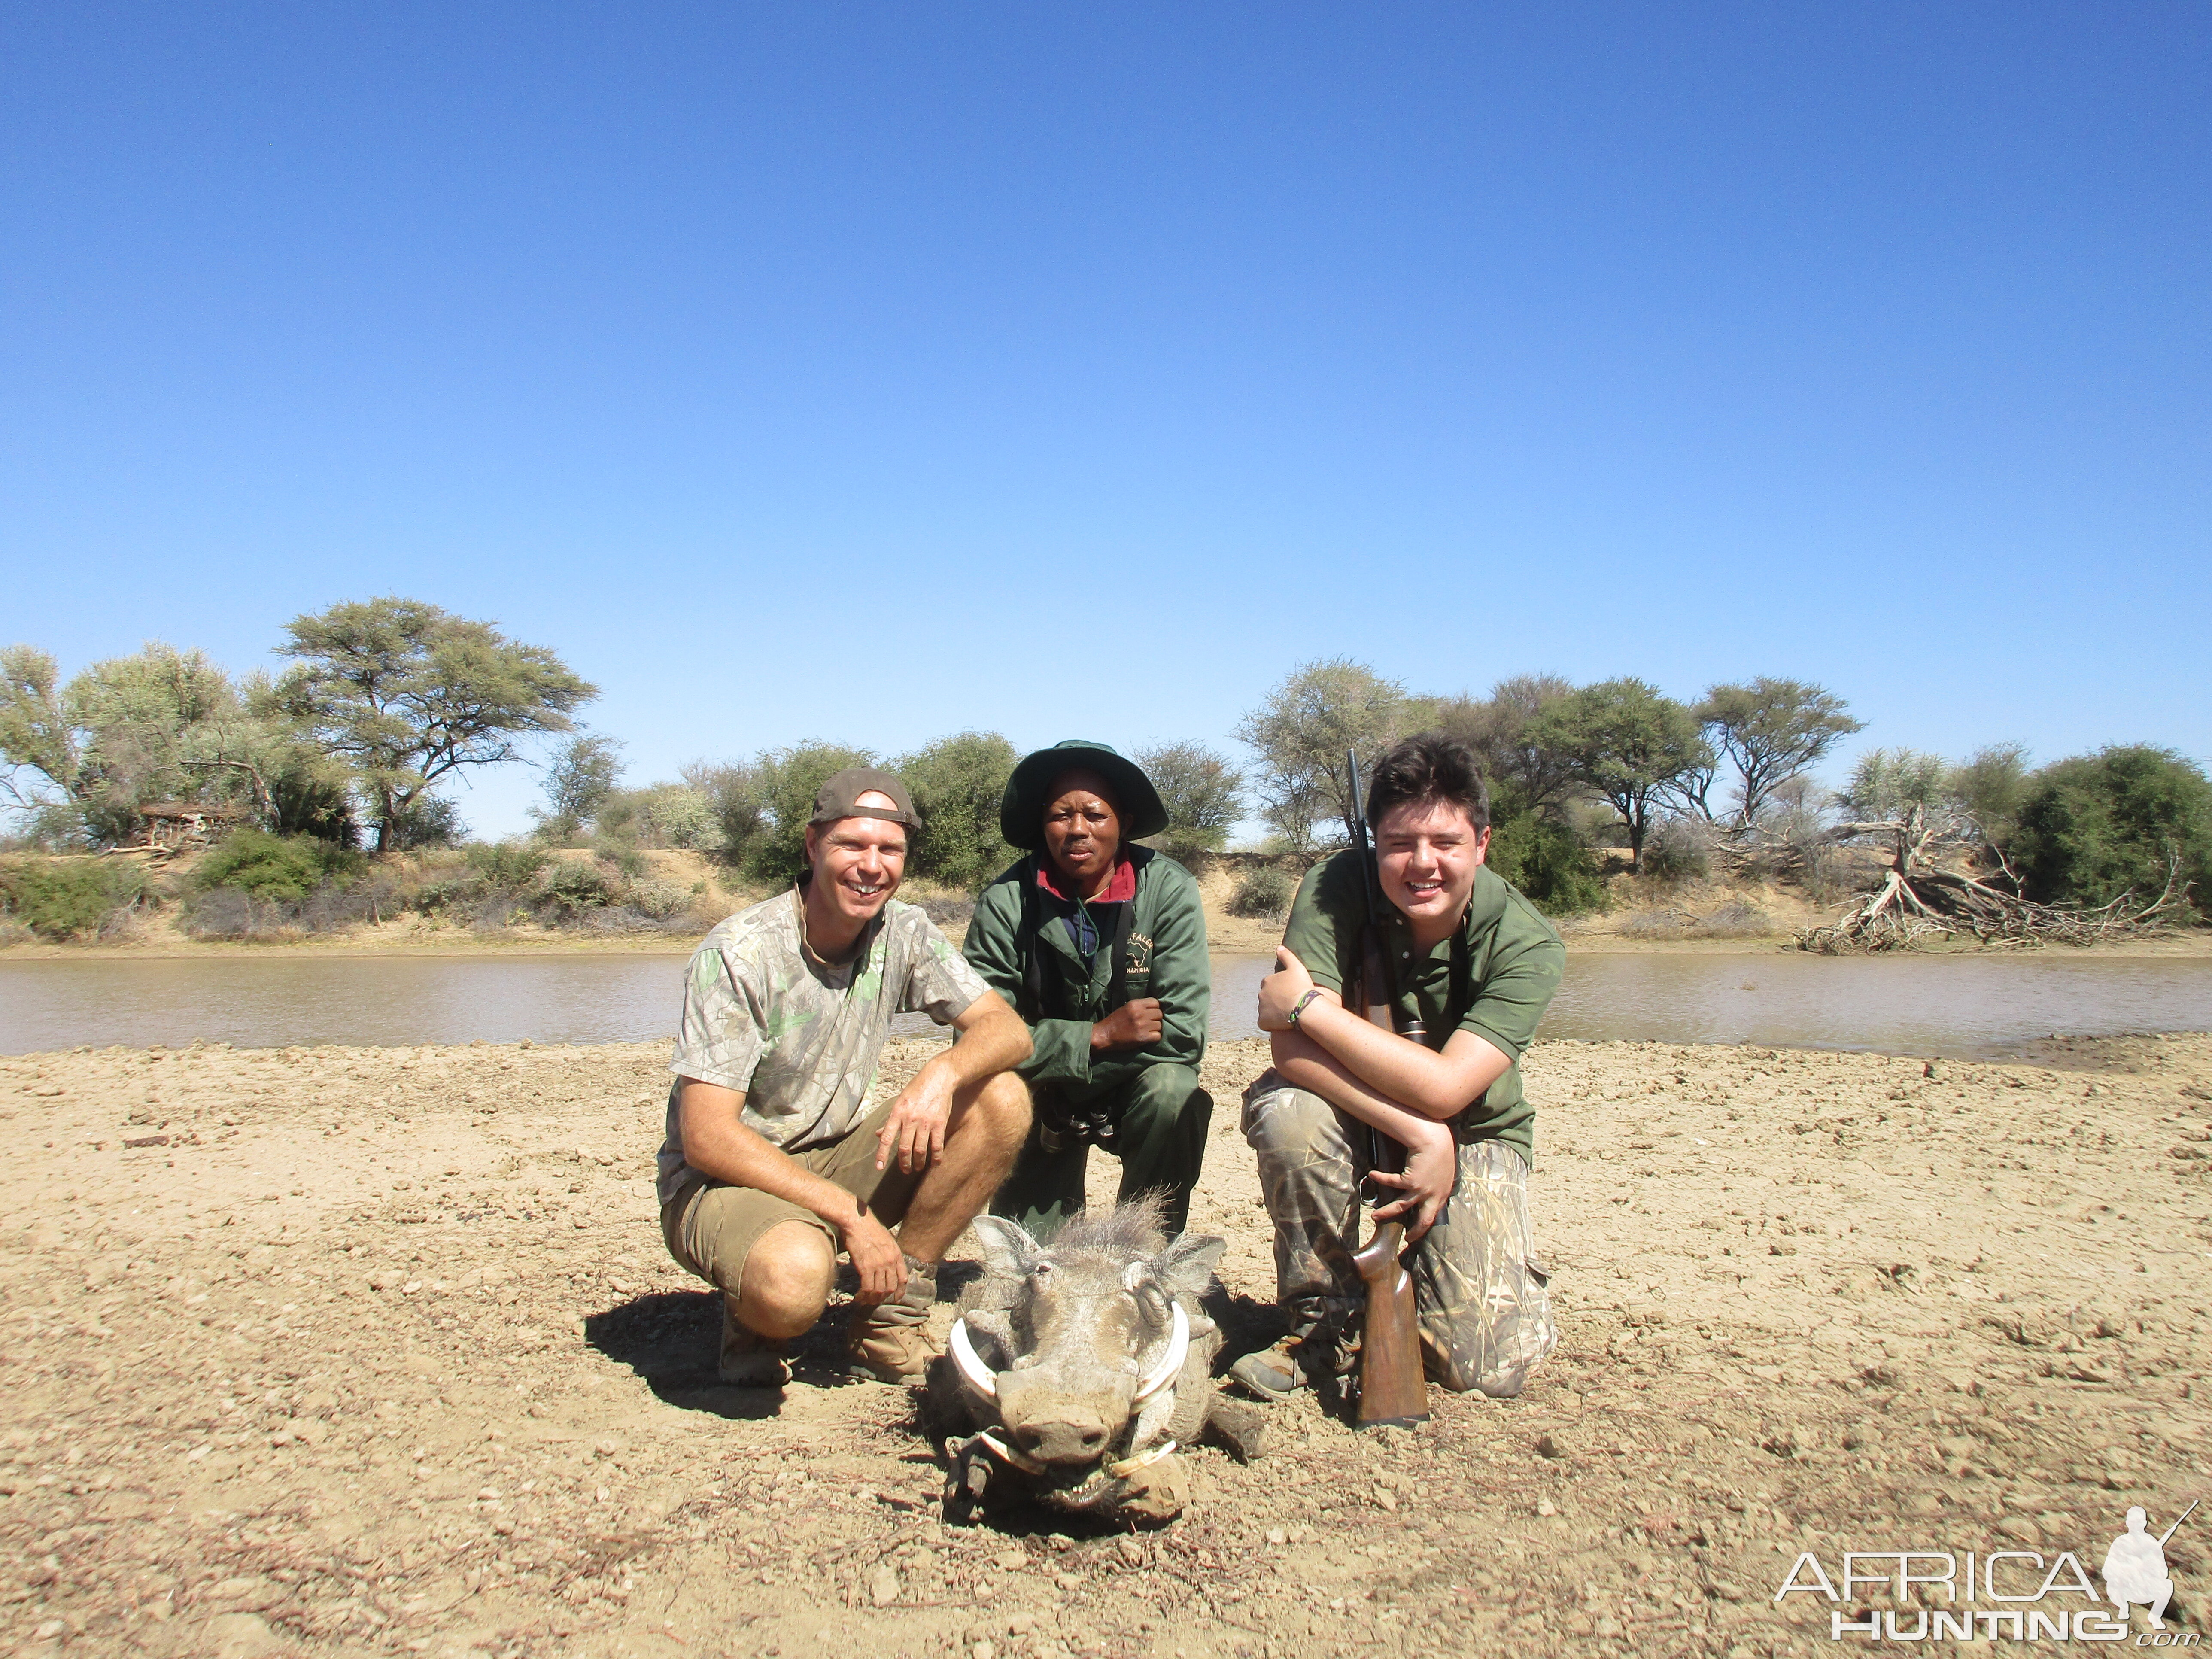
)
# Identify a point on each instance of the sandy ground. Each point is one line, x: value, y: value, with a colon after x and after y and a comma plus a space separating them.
x: 350, y: 1352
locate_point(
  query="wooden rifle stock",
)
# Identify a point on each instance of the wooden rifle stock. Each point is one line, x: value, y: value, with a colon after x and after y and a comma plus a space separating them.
x: 1394, y: 1386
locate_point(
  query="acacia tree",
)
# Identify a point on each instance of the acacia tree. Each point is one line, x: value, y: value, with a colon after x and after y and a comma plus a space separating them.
x: 162, y: 724
x: 1771, y: 731
x: 1301, y: 735
x: 1504, y: 732
x: 1989, y: 787
x: 409, y: 694
x: 579, y: 777
x: 38, y: 745
x: 1628, y: 743
x: 1203, y: 793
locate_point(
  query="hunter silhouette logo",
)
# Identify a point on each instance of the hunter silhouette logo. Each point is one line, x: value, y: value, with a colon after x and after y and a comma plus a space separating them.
x: 2134, y: 1567
x: 2017, y: 1594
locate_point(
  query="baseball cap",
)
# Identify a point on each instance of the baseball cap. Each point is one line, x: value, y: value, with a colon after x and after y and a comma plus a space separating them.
x: 840, y: 797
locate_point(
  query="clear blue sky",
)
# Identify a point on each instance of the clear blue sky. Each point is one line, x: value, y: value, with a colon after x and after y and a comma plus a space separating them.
x: 873, y: 372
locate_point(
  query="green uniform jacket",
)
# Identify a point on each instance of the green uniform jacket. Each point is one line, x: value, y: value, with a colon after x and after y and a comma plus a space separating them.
x: 1167, y: 937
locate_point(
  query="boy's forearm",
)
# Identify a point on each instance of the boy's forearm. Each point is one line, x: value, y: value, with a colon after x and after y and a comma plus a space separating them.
x: 1392, y: 1068
x: 1304, y: 1064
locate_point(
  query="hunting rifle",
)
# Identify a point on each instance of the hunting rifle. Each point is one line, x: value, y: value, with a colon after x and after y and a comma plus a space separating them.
x: 1393, y: 1387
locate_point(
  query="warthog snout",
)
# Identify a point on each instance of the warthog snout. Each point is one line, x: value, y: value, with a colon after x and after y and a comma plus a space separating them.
x: 1062, y: 1437
x: 1082, y: 1365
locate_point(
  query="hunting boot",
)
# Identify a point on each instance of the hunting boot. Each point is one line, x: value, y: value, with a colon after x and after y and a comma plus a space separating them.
x: 749, y: 1359
x: 1309, y: 1354
x: 891, y: 1342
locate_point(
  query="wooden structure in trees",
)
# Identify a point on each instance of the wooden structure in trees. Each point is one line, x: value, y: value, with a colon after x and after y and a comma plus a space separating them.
x: 178, y: 826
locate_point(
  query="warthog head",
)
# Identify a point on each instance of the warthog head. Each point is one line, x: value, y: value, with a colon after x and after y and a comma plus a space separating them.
x: 1087, y: 1360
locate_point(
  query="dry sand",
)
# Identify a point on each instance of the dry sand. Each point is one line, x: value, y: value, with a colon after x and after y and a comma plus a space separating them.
x: 377, y: 1352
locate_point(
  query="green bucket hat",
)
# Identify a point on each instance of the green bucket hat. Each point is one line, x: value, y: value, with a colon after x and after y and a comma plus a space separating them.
x: 1021, y: 809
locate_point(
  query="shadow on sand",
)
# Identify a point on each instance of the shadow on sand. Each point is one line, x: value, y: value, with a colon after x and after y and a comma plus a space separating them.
x: 671, y: 1342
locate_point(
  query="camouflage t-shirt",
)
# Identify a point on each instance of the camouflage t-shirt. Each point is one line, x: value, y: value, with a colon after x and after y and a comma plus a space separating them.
x: 799, y: 1037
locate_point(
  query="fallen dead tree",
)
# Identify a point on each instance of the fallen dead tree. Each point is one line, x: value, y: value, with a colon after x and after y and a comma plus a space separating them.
x: 1917, y: 900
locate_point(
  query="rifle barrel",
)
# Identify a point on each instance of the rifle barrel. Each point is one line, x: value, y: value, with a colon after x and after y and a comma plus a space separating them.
x: 2178, y: 1519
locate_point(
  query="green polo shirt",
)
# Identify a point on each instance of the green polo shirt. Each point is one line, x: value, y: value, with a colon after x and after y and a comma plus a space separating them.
x: 1514, y: 964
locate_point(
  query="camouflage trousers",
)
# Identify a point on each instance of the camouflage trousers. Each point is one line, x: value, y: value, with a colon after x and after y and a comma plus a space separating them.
x: 1486, y: 1320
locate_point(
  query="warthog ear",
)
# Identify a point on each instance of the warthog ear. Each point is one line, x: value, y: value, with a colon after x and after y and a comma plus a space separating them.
x: 1008, y: 1252
x: 1186, y: 1267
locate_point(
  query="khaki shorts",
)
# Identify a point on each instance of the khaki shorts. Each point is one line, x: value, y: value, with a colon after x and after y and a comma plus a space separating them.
x: 711, y: 1228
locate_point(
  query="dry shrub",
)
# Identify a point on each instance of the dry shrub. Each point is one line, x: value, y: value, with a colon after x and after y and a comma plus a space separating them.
x: 1264, y: 892
x: 1735, y: 919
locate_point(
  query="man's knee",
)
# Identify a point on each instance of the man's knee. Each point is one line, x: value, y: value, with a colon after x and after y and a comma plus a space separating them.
x: 1164, y: 1092
x: 998, y: 1111
x: 787, y: 1277
x: 1461, y: 1374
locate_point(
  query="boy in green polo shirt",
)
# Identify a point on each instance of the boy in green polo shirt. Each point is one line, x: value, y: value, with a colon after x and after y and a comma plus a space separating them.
x: 1478, y: 965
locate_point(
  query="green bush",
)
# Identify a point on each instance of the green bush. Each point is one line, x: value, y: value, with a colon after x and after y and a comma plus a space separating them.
x: 506, y: 866
x: 282, y: 869
x: 732, y: 794
x: 446, y: 893
x: 1263, y: 892
x: 65, y: 900
x: 1547, y: 863
x: 956, y: 783
x: 575, y: 885
x: 783, y: 785
x: 2098, y: 825
x: 661, y: 900
x: 665, y: 815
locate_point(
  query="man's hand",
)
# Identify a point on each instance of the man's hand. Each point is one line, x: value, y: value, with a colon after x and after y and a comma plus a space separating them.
x: 1432, y: 1171
x: 875, y: 1257
x: 1280, y: 991
x: 915, y: 1128
x: 1135, y: 1024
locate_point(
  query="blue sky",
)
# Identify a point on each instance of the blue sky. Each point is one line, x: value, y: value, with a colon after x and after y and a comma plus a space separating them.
x: 875, y: 372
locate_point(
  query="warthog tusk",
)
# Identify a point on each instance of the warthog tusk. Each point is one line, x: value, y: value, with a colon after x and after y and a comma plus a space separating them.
x: 1129, y: 1465
x: 1000, y: 1449
x: 1171, y: 1365
x: 969, y: 1362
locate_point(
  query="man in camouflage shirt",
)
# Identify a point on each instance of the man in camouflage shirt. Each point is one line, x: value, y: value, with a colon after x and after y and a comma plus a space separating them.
x: 779, y: 1153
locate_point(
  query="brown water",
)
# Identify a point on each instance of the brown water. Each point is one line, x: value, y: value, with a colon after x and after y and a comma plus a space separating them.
x: 1966, y: 1007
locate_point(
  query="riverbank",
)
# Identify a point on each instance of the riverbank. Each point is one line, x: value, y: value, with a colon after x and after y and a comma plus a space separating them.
x: 377, y: 1351
x: 1704, y: 919
x: 547, y: 942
